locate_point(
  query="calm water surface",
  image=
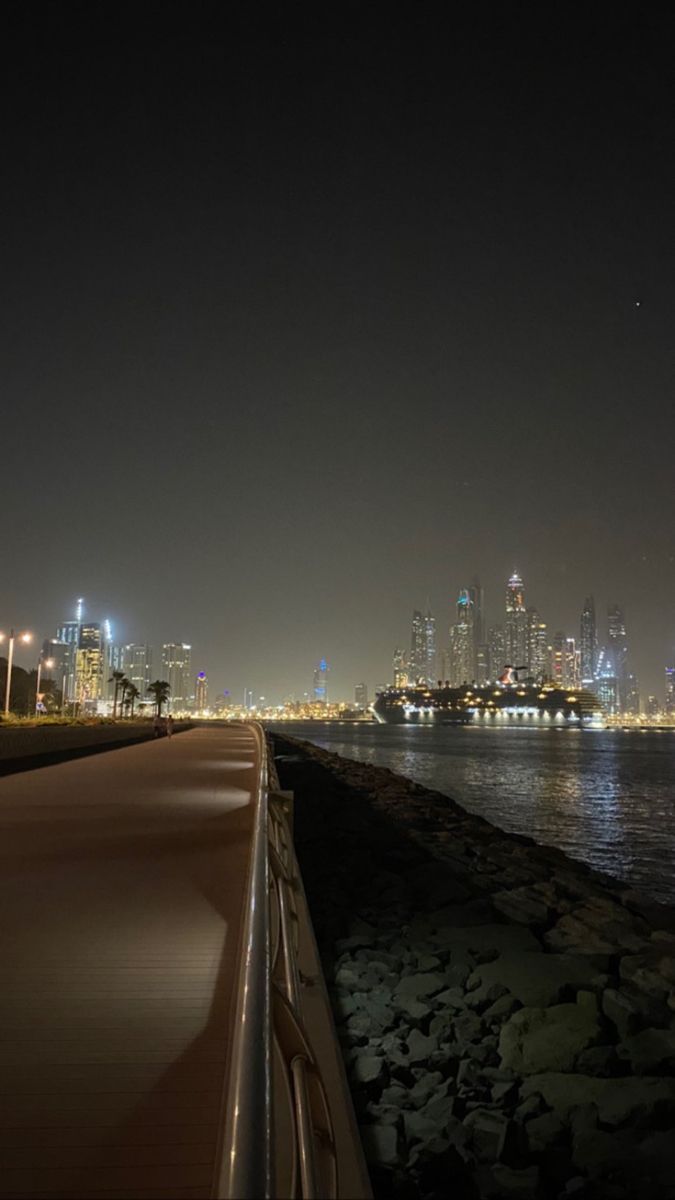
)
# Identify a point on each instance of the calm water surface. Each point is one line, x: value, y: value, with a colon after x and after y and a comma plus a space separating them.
x: 603, y: 796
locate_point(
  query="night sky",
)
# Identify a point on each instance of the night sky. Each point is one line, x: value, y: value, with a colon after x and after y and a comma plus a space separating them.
x: 303, y: 323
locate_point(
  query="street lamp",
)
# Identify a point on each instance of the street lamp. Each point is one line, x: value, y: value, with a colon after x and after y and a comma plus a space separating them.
x: 48, y: 663
x: 23, y: 637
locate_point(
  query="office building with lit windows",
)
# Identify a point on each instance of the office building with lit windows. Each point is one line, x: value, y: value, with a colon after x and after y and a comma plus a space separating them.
x: 515, y: 626
x: 137, y: 666
x: 89, y: 663
x: 496, y: 651
x: 422, y: 658
x: 201, y: 692
x: 400, y: 668
x: 670, y: 691
x: 177, y: 672
x: 588, y: 642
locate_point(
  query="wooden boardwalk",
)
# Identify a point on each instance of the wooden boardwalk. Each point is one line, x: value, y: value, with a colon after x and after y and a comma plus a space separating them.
x: 121, y: 887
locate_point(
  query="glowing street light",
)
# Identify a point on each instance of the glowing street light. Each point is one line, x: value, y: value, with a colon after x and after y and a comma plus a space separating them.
x: 48, y: 663
x: 23, y: 637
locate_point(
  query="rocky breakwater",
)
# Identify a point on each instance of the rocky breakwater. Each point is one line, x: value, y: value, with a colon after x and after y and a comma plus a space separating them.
x: 507, y: 1016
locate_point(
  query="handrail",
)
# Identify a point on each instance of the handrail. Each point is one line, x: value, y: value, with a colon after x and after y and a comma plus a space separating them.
x: 272, y: 1050
x: 246, y: 1165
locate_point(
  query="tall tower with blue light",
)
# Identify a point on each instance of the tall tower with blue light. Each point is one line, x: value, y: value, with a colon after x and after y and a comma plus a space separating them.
x: 320, y: 689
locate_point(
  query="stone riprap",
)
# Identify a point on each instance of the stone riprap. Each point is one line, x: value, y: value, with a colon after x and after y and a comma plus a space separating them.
x: 507, y: 1016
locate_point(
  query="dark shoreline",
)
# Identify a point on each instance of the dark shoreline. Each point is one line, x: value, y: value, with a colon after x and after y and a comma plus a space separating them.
x: 491, y: 995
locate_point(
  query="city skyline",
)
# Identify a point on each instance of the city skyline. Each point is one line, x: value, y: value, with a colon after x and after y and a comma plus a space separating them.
x: 300, y: 679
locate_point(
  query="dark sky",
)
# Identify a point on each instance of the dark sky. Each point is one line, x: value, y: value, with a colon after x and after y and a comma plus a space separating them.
x: 303, y: 323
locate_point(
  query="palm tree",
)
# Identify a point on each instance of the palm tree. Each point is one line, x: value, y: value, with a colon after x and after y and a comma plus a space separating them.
x: 160, y: 690
x: 124, y: 684
x: 132, y: 696
x: 116, y: 678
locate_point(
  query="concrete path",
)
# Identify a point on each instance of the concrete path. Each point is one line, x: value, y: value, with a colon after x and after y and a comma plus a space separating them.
x: 122, y: 880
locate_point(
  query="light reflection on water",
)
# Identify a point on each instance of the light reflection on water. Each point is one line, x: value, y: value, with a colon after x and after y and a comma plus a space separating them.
x: 603, y: 796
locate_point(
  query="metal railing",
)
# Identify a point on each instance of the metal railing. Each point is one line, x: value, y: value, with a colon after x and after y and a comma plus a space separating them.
x: 279, y: 1138
x: 246, y: 1159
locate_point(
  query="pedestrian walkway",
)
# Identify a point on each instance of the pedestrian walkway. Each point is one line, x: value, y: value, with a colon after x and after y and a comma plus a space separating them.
x: 122, y: 879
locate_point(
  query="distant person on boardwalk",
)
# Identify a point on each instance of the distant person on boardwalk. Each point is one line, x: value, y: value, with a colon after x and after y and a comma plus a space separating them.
x: 157, y: 725
x: 169, y: 725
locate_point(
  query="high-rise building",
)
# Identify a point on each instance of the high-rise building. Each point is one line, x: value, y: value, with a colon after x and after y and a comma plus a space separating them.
x: 607, y: 692
x: 477, y: 597
x: 177, y: 672
x: 462, y: 649
x: 537, y: 646
x: 588, y: 642
x: 516, y: 622
x: 652, y: 706
x: 113, y: 661
x: 400, y: 669
x: 417, y: 657
x: 430, y: 648
x: 617, y: 646
x: 631, y: 702
x: 496, y: 644
x: 201, y: 692
x: 463, y: 639
x: 89, y: 661
x: 572, y: 664
x: 137, y: 666
x: 607, y: 684
x: 482, y: 664
x: 557, y: 659
x: 670, y: 691
x: 361, y: 696
x: 321, y: 682
x: 422, y: 658
x: 68, y: 632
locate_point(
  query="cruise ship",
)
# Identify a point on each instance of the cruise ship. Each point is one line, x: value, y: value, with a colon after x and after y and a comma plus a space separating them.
x: 498, y: 704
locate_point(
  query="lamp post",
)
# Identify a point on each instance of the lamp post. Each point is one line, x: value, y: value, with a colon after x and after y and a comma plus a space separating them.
x: 23, y: 637
x: 48, y: 663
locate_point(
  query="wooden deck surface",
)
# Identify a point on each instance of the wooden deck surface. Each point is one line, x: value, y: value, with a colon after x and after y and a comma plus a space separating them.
x: 122, y: 879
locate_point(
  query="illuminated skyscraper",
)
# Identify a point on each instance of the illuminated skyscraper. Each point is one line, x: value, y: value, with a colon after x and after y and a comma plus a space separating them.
x: 418, y: 662
x: 481, y: 668
x: 137, y: 666
x: 607, y: 684
x: 430, y: 648
x: 476, y: 595
x: 588, y: 642
x: 177, y: 672
x: 670, y: 691
x: 631, y: 703
x: 516, y: 622
x: 201, y: 692
x: 537, y: 646
x: 321, y: 682
x: 572, y: 664
x: 462, y: 650
x: 68, y: 632
x: 496, y: 646
x: 400, y: 669
x: 89, y: 661
x: 617, y: 646
x: 113, y: 660
x: 361, y: 696
x: 558, y: 658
